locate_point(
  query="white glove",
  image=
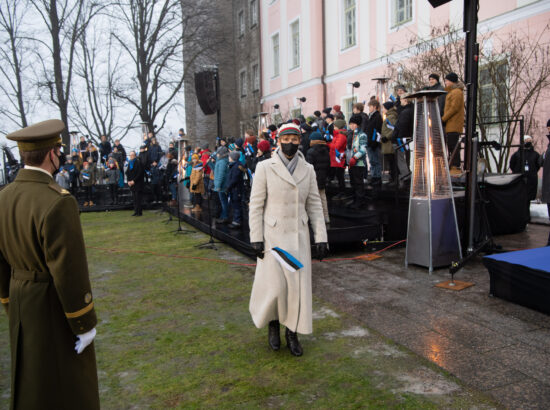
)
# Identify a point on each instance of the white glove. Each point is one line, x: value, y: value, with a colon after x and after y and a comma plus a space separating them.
x: 84, y: 340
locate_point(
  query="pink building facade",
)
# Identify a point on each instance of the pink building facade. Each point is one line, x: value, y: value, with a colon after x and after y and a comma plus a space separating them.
x: 316, y: 48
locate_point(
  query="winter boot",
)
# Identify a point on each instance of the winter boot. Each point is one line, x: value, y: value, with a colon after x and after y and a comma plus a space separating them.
x: 293, y: 343
x: 274, y: 336
x: 85, y: 204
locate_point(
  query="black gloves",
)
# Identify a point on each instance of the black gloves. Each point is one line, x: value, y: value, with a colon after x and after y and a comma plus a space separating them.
x: 384, y: 139
x: 321, y: 249
x: 258, y: 249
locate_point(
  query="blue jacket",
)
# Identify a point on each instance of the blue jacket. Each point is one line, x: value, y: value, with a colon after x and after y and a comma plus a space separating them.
x: 155, y: 175
x: 220, y: 174
x: 235, y: 181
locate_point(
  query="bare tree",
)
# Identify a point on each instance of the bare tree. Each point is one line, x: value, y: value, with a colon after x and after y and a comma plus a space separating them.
x: 15, y: 60
x: 513, y: 74
x: 98, y: 65
x: 66, y: 21
x: 159, y: 36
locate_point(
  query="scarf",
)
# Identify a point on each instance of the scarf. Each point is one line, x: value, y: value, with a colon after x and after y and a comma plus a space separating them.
x: 131, y: 163
x: 289, y: 163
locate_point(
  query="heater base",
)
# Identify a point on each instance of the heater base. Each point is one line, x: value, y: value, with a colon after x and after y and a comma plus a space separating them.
x: 454, y: 285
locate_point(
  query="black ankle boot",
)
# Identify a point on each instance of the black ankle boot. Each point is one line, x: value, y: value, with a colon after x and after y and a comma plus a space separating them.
x: 293, y: 343
x: 274, y: 336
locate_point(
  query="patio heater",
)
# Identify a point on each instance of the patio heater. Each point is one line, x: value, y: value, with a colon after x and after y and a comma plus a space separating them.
x: 433, y: 239
x: 262, y: 122
x: 381, y: 89
x: 145, y: 129
x: 75, y: 143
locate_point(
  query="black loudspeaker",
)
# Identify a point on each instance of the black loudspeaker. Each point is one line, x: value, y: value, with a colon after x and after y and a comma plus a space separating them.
x: 205, y: 88
x: 437, y: 3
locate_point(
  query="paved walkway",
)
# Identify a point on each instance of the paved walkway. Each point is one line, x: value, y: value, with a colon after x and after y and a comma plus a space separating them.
x: 490, y: 344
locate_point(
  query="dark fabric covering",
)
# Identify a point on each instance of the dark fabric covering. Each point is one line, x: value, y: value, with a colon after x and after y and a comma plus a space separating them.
x: 533, y: 162
x: 374, y: 123
x: 405, y: 123
x: 521, y: 277
x: 506, y: 214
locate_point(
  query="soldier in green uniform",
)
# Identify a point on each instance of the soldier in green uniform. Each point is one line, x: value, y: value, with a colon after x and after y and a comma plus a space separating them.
x: 44, y: 282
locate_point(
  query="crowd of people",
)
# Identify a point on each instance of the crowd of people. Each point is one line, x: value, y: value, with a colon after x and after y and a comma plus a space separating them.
x: 374, y: 139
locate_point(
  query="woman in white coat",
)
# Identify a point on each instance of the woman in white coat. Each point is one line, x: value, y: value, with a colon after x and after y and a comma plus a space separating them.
x: 284, y: 197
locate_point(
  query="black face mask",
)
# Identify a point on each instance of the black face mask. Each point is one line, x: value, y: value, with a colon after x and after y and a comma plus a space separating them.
x: 61, y: 160
x: 528, y: 145
x: 289, y: 149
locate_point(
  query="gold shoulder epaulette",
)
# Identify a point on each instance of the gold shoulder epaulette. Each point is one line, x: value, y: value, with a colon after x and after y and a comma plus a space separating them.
x: 58, y: 189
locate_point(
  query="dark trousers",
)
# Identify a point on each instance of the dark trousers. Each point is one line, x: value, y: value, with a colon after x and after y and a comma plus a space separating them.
x: 235, y: 197
x: 356, y: 175
x: 451, y: 139
x: 197, y: 199
x: 88, y: 193
x: 157, y: 194
x: 113, y: 189
x: 137, y: 194
x: 389, y: 164
x: 339, y: 173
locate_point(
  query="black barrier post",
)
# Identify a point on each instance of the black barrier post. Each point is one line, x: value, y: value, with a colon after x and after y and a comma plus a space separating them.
x: 180, y: 230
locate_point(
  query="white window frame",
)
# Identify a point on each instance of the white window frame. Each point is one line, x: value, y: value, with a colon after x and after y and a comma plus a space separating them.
x: 344, y: 104
x: 243, y: 89
x: 241, y: 22
x: 343, y: 27
x: 253, y: 13
x: 394, y: 26
x: 291, y: 64
x: 276, y: 59
x: 255, y: 77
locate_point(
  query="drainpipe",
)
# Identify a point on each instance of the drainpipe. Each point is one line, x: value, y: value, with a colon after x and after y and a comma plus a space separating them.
x: 323, y: 74
x: 260, y: 64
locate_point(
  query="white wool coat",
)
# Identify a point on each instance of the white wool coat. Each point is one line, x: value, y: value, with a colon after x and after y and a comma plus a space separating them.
x: 280, y: 207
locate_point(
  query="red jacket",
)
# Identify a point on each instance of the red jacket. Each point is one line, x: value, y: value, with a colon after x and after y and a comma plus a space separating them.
x: 205, y: 156
x: 339, y: 142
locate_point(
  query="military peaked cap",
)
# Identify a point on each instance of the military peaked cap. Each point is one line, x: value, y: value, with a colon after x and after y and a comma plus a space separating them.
x: 37, y: 136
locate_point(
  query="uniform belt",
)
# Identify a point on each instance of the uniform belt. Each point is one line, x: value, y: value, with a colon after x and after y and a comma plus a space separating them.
x: 31, y: 275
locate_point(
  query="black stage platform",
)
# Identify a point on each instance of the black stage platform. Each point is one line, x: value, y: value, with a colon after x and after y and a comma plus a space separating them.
x: 522, y: 277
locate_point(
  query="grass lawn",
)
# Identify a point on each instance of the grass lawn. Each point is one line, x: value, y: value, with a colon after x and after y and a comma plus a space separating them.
x: 176, y: 333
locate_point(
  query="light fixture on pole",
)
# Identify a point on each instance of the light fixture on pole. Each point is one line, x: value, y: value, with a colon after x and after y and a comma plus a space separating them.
x: 301, y: 100
x: 433, y: 239
x: 354, y: 85
x: 74, y: 140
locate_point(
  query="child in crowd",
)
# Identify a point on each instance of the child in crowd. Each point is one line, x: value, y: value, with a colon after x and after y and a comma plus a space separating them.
x: 87, y: 176
x: 338, y: 157
x: 318, y: 155
x: 235, y: 187
x: 112, y: 173
x: 196, y: 182
x: 155, y: 181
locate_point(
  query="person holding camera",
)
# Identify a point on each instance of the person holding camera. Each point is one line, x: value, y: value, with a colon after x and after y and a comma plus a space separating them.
x: 284, y: 198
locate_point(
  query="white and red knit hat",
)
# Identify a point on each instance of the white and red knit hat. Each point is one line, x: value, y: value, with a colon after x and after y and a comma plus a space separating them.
x: 287, y: 129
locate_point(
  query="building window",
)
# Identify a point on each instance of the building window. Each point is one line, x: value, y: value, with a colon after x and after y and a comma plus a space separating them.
x: 241, y: 23
x: 242, y: 83
x: 253, y: 13
x: 493, y: 80
x: 349, y: 24
x: 255, y: 77
x: 348, y: 106
x: 295, y: 44
x: 275, y: 47
x: 296, y: 112
x: 402, y: 12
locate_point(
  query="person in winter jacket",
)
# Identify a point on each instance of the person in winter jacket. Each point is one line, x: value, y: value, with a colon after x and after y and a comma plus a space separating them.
x: 359, y: 108
x: 235, y: 188
x: 135, y: 177
x: 156, y: 181
x: 113, y: 176
x: 337, y: 112
x: 91, y: 151
x: 196, y: 183
x: 73, y: 174
x: 62, y: 178
x: 358, y: 161
x: 530, y: 167
x: 433, y: 80
x: 221, y: 165
x: 453, y: 116
x: 388, y: 125
x: 87, y: 180
x: 318, y: 155
x: 374, y: 128
x: 264, y: 152
x: 546, y: 176
x: 154, y: 151
x: 171, y: 178
x: 401, y: 91
x: 337, y: 148
x: 401, y: 136
x: 104, y: 149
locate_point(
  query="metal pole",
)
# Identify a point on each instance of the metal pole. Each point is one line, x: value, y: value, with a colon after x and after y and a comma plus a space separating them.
x: 218, y: 99
x: 471, y: 74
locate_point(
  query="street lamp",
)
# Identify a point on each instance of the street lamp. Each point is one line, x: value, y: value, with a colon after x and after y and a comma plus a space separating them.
x: 354, y: 85
x: 301, y: 100
x: 262, y: 122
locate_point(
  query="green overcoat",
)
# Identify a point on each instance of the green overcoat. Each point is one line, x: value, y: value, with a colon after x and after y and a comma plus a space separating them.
x: 45, y: 288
